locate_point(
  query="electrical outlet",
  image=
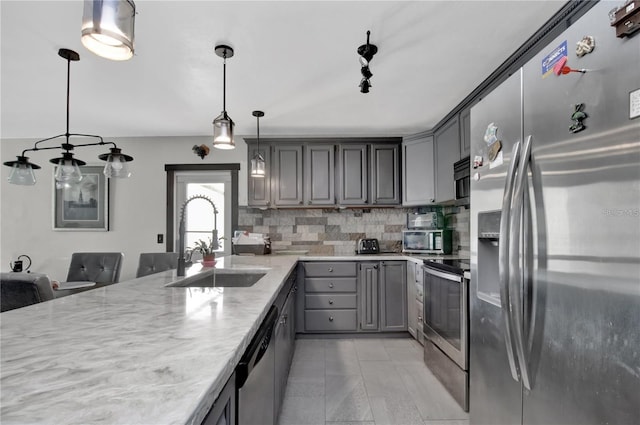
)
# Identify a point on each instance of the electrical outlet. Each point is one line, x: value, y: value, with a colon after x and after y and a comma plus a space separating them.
x: 160, y: 238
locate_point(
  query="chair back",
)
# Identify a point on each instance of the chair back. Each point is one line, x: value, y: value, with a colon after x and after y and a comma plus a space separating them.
x: 99, y: 267
x: 23, y: 289
x: 155, y: 262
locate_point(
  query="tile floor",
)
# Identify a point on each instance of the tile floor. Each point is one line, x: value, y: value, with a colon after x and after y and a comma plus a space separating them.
x: 365, y: 382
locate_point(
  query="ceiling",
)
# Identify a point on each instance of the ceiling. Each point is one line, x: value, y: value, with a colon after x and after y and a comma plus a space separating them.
x: 295, y: 60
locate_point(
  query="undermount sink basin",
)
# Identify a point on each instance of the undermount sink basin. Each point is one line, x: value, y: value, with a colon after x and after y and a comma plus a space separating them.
x: 222, y: 280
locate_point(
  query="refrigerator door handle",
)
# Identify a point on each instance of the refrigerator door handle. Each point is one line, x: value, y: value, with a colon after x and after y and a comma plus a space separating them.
x: 503, y: 260
x: 515, y: 277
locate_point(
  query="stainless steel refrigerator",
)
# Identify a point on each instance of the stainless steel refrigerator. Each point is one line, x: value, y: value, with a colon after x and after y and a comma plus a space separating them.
x: 555, y: 236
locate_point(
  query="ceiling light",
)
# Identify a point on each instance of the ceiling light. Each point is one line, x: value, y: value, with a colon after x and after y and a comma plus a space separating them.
x: 107, y: 28
x: 67, y: 167
x: 366, y: 52
x: 257, y: 162
x: 223, y: 124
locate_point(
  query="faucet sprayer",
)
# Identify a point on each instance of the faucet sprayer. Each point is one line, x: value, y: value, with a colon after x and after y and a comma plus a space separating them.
x: 182, y: 231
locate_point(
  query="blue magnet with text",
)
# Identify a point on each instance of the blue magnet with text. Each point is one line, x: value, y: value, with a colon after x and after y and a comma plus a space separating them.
x: 552, y: 58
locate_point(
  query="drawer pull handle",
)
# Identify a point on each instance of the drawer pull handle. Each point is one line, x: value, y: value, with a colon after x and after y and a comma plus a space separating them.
x: 330, y: 301
x: 331, y: 318
x: 331, y: 285
x: 419, y: 318
x: 330, y: 270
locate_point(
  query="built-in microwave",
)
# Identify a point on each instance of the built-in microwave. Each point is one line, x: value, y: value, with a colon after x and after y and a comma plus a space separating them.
x: 427, y: 241
x: 462, y: 181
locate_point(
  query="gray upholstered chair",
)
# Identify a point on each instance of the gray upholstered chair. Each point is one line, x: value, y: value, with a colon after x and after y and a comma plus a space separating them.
x: 99, y: 267
x: 23, y: 289
x: 155, y: 262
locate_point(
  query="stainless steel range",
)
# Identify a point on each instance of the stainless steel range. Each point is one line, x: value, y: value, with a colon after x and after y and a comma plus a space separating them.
x: 446, y: 325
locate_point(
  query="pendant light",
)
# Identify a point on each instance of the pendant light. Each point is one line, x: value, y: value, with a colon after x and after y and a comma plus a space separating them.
x: 67, y: 167
x: 108, y: 28
x: 257, y: 162
x: 223, y: 124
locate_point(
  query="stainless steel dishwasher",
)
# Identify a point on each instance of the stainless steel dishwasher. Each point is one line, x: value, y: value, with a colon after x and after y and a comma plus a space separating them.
x: 255, y: 376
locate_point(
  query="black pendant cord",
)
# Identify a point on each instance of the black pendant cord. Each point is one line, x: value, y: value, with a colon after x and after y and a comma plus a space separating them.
x: 224, y: 83
x: 68, y: 97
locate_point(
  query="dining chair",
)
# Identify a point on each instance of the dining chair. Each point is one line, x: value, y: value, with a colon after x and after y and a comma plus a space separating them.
x: 23, y: 289
x: 155, y: 262
x: 99, y: 267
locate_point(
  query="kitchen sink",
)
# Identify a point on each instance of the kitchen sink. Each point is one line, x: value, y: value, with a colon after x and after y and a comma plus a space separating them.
x: 221, y: 280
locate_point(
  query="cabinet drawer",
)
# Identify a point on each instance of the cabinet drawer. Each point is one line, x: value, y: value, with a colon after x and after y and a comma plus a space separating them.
x: 330, y: 301
x: 327, y: 269
x: 327, y: 284
x: 330, y: 320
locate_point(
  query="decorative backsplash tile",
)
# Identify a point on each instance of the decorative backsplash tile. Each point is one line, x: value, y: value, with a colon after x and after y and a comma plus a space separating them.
x: 336, y: 231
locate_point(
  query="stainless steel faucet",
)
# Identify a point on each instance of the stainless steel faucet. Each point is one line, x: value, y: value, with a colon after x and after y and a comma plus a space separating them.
x: 182, y: 231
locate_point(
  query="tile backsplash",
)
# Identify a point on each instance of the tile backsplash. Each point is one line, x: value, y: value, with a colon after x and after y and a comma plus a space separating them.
x: 336, y: 231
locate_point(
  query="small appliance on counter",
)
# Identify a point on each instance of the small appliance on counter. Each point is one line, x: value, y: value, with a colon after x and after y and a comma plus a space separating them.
x: 429, y: 221
x: 245, y: 243
x: 427, y: 241
x: 368, y: 246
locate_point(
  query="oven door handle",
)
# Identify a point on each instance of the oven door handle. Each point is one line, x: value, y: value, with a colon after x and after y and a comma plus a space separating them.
x: 503, y: 261
x: 444, y: 275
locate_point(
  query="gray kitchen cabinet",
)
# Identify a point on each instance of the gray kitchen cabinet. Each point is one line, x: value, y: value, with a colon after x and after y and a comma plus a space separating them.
x: 368, y: 290
x: 393, y: 294
x: 286, y: 178
x: 259, y: 187
x: 465, y: 133
x: 412, y: 314
x: 328, y: 301
x: 447, y: 148
x: 385, y: 174
x: 418, y: 170
x: 319, y: 174
x: 353, y: 174
x: 223, y: 411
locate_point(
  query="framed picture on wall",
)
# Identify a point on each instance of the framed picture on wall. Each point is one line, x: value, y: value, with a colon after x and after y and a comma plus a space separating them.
x: 83, y: 205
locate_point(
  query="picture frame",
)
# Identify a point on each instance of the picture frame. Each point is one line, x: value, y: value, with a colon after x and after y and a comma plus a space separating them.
x: 82, y: 206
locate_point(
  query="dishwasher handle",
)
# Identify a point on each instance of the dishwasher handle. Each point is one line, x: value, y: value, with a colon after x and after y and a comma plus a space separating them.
x: 257, y: 348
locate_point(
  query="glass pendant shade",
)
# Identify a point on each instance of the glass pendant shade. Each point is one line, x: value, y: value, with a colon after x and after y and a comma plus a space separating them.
x: 223, y: 132
x: 116, y: 166
x: 108, y: 28
x: 22, y: 172
x: 257, y: 166
x: 68, y: 168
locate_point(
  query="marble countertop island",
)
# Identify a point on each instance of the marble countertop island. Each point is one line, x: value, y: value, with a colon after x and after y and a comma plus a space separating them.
x: 137, y: 352
x: 132, y: 353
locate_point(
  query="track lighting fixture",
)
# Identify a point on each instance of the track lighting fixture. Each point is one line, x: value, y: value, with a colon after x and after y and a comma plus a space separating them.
x: 223, y: 124
x: 67, y: 167
x: 257, y: 162
x: 108, y: 28
x: 366, y: 52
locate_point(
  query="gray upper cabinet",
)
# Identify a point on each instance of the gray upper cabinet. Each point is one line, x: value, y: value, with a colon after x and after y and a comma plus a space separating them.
x: 259, y: 187
x: 319, y: 172
x: 418, y: 177
x: 286, y: 179
x: 447, y: 145
x: 385, y: 174
x: 352, y: 174
x: 465, y: 133
x: 393, y: 294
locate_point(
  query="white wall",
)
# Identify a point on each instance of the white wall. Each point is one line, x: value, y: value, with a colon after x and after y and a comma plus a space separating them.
x: 137, y: 204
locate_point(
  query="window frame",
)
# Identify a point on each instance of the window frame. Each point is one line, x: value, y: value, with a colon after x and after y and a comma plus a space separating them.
x: 172, y: 169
